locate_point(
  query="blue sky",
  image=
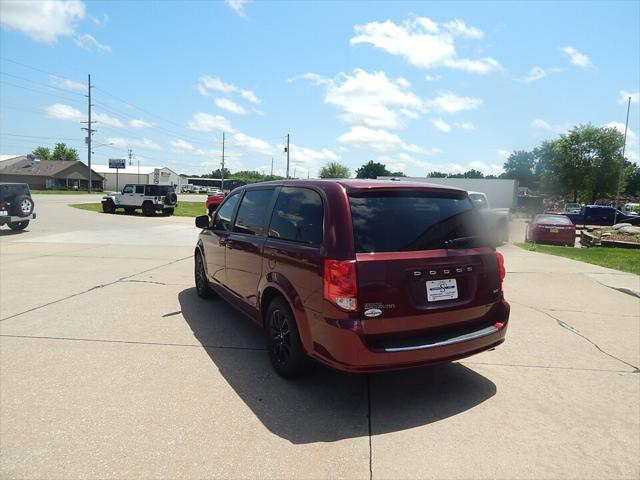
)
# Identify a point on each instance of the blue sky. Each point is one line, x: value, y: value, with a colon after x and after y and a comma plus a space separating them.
x: 418, y: 86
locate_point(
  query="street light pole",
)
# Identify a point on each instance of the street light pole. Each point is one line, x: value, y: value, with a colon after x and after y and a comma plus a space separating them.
x: 624, y: 146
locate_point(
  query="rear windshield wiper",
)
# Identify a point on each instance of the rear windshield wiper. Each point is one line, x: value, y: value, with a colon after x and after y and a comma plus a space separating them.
x: 460, y: 240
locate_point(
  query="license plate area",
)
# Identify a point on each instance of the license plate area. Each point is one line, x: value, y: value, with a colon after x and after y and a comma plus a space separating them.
x: 443, y: 289
x: 553, y: 230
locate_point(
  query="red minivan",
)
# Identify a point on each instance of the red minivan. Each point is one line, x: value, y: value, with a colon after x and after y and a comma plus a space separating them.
x: 361, y: 275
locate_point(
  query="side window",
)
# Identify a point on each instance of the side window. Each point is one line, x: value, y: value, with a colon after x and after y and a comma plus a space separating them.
x: 224, y: 213
x: 140, y: 189
x: 297, y: 216
x: 128, y: 189
x: 252, y: 213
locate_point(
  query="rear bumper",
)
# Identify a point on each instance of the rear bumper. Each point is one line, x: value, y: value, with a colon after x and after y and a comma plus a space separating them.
x: 5, y: 219
x: 347, y: 349
x: 559, y: 238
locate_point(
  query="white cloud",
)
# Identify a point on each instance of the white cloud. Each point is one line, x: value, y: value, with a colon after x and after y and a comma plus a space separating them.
x: 183, y: 147
x: 238, y: 6
x: 137, y: 123
x: 43, y: 20
x: 449, y: 102
x: 250, y: 96
x: 487, y: 169
x: 623, y: 97
x: 466, y: 126
x: 424, y: 43
x: 204, y: 122
x: 367, y: 138
x: 575, y: 57
x: 61, y: 82
x: 207, y: 82
x: 441, y: 125
x: 381, y: 140
x: 503, y: 154
x: 253, y: 144
x: 104, y: 119
x: 100, y: 21
x: 89, y: 43
x: 631, y: 136
x: 371, y: 99
x: 432, y: 78
x: 59, y: 111
x: 535, y: 74
x: 125, y: 143
x: 229, y: 106
x: 541, y: 124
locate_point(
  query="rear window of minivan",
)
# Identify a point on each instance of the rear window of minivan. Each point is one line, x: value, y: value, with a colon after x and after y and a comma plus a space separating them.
x: 401, y: 221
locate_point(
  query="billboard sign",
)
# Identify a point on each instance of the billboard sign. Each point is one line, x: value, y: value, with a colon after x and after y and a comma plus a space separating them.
x: 117, y: 163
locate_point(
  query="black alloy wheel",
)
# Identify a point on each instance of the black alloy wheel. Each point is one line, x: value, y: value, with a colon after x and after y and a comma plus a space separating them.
x: 203, y: 288
x: 283, y: 340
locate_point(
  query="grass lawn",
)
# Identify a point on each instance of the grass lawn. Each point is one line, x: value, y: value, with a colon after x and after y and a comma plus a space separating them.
x: 184, y: 209
x: 625, y: 260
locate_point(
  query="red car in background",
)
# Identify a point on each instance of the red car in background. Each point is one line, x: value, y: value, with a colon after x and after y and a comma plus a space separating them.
x: 547, y: 228
x: 214, y: 201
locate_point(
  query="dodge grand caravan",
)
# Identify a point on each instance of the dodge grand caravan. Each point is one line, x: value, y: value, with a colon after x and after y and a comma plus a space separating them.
x: 360, y: 275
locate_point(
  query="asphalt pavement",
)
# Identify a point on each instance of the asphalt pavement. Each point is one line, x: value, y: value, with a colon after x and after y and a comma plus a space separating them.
x: 112, y: 367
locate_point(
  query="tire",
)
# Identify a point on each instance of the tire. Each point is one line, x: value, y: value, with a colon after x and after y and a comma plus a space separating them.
x: 129, y: 210
x: 17, y: 226
x: 108, y: 206
x: 170, y: 198
x: 148, y: 210
x: 22, y: 206
x: 168, y: 211
x: 203, y: 288
x: 283, y: 340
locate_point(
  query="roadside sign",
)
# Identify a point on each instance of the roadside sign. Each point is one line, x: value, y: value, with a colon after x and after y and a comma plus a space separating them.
x: 117, y: 163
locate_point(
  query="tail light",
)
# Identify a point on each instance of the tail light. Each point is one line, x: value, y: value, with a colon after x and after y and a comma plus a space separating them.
x: 4, y: 206
x: 501, y: 269
x: 340, y: 283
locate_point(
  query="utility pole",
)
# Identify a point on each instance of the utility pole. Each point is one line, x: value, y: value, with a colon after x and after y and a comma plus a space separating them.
x: 287, y: 150
x: 222, y: 171
x: 89, y: 129
x: 130, y: 154
x: 624, y: 146
x: 271, y: 167
x: 294, y: 171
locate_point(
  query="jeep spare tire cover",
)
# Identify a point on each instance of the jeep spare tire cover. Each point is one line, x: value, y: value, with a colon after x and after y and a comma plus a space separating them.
x: 170, y: 198
x: 22, y: 206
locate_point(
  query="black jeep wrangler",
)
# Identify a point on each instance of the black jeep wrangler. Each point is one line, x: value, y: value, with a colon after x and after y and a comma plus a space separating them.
x: 16, y: 205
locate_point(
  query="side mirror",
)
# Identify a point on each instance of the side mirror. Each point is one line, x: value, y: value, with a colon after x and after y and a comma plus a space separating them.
x: 202, y: 221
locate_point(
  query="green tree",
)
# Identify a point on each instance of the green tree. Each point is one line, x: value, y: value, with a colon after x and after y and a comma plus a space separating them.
x: 633, y: 179
x: 42, y: 153
x: 334, y: 170
x: 218, y: 173
x: 372, y: 170
x: 62, y: 152
x: 520, y: 166
x: 437, y: 174
x: 589, y: 162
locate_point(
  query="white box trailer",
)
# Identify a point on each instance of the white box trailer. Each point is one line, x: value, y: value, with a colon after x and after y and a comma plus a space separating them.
x: 500, y: 193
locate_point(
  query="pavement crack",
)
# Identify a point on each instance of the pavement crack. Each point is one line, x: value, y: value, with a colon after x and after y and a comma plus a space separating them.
x: 575, y: 331
x: 134, y: 342
x: 144, y: 281
x: 95, y: 287
x: 547, y: 367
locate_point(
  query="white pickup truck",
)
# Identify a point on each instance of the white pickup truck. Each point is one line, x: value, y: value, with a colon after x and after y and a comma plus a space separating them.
x: 149, y: 198
x: 497, y: 218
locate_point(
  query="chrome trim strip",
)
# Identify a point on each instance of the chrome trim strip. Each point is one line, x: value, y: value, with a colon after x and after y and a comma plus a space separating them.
x: 462, y: 338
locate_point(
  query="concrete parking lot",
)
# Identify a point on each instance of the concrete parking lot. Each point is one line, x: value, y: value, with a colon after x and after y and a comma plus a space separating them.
x: 112, y: 367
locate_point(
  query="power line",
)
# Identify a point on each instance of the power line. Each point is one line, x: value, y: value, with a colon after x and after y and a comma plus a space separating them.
x: 41, y: 84
x: 36, y: 136
x: 39, y: 91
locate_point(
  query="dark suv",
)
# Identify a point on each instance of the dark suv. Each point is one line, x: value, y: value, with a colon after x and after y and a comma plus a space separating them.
x: 16, y: 205
x: 359, y: 275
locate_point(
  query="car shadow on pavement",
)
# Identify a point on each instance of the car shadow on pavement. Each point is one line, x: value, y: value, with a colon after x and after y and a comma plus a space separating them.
x: 326, y: 406
x: 9, y: 233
